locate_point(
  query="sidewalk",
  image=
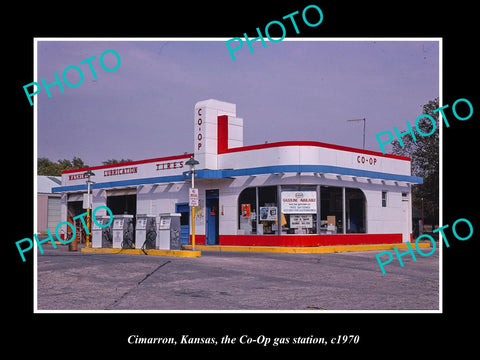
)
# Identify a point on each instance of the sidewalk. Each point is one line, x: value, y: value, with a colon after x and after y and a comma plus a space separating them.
x: 303, y: 249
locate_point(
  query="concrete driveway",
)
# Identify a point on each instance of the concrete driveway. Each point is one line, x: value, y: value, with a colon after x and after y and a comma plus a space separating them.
x: 235, y: 281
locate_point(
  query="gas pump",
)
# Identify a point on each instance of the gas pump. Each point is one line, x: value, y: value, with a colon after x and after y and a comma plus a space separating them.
x: 98, y: 232
x: 145, y: 232
x: 107, y: 236
x: 123, y: 231
x: 169, y: 232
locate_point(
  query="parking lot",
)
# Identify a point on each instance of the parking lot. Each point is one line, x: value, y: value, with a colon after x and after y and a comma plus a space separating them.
x: 234, y: 281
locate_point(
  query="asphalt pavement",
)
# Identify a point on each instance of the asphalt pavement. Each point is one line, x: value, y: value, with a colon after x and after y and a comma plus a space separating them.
x: 234, y: 281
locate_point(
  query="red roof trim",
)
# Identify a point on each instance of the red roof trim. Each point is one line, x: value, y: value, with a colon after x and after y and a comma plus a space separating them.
x: 186, y: 156
x: 314, y: 143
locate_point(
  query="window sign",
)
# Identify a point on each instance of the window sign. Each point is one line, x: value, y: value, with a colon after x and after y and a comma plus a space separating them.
x: 246, y: 212
x: 268, y: 213
x: 301, y: 221
x: 299, y: 202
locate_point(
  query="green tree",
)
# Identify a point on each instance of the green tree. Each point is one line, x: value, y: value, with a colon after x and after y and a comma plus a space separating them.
x: 47, y: 167
x: 113, y: 161
x: 50, y: 168
x: 424, y: 153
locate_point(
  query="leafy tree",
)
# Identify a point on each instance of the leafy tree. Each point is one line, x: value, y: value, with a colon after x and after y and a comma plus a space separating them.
x: 47, y: 167
x: 50, y: 168
x: 113, y: 161
x: 76, y: 163
x: 424, y: 153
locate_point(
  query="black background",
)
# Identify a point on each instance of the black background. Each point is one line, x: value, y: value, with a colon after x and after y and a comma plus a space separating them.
x: 61, y: 335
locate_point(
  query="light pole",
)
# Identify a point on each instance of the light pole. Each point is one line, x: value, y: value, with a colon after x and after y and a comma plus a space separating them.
x: 192, y: 162
x: 88, y: 174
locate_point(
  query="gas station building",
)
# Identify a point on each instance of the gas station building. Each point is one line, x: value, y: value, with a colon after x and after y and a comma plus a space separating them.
x: 290, y: 193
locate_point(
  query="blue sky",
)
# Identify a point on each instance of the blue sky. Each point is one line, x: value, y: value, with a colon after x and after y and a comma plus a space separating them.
x: 290, y: 90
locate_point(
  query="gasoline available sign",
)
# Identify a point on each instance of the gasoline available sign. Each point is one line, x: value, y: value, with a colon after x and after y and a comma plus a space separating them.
x: 299, y: 202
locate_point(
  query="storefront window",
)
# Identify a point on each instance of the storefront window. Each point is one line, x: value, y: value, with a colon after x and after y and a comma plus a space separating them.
x: 331, y: 210
x: 355, y: 211
x: 258, y: 218
x: 299, y: 209
x: 267, y: 210
x: 302, y: 210
x: 247, y: 206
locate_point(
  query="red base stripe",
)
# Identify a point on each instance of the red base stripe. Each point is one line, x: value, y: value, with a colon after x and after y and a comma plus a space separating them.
x: 303, y: 240
x: 309, y: 240
x: 199, y: 239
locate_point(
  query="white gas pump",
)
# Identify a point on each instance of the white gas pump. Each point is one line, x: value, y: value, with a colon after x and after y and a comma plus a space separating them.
x: 99, y: 233
x: 169, y: 232
x: 107, y: 237
x: 123, y: 231
x: 145, y: 232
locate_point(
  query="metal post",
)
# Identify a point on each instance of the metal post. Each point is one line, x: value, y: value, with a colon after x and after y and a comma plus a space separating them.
x: 193, y: 212
x: 344, y: 201
x: 319, y: 209
x: 89, y: 227
x: 88, y: 214
x: 279, y: 210
x: 423, y: 219
x: 192, y: 162
x: 364, y: 123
